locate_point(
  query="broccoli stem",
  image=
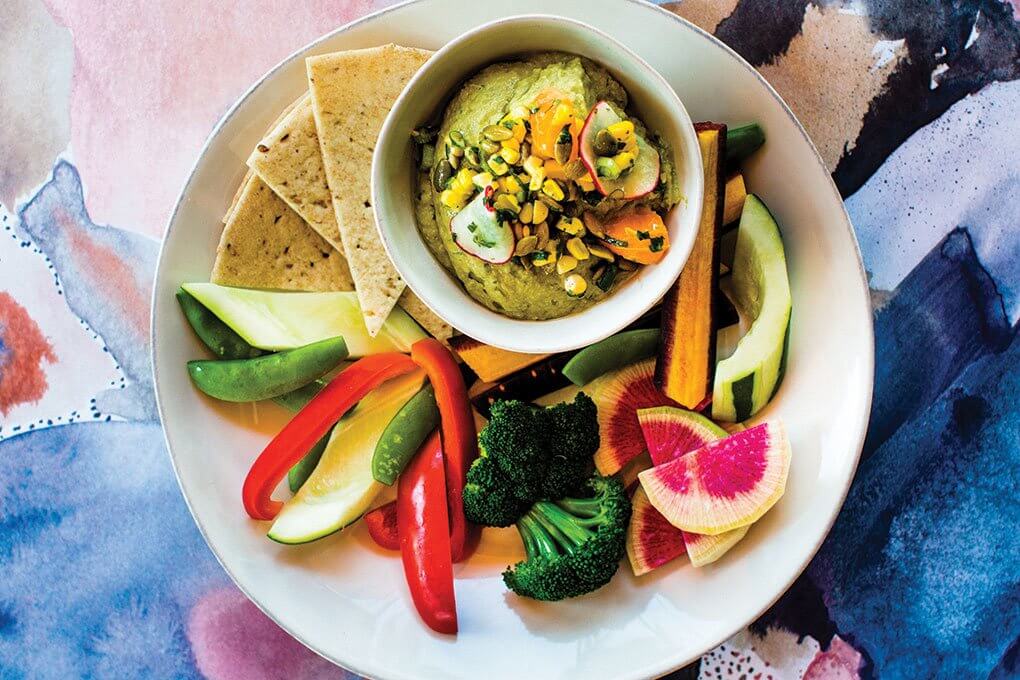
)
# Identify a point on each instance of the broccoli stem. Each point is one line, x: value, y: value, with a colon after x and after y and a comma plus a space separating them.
x: 537, y: 542
x: 568, y: 531
x: 582, y: 507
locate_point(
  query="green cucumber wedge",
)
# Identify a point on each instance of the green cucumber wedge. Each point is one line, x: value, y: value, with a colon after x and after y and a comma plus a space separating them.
x: 341, y: 488
x: 747, y: 379
x: 404, y: 435
x: 276, y: 320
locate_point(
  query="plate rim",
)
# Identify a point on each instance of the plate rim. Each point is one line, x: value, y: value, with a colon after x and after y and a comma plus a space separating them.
x: 667, y: 663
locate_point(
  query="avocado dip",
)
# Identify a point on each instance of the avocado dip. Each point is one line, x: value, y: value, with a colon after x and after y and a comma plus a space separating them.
x: 539, y: 191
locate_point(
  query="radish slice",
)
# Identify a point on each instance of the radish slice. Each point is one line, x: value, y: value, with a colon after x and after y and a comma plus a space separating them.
x: 478, y: 232
x: 640, y: 180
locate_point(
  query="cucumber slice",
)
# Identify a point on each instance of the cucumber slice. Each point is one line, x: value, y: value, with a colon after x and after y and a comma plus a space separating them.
x: 341, y: 488
x: 746, y: 381
x: 276, y: 320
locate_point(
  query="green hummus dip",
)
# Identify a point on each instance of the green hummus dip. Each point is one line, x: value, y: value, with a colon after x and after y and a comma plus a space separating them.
x: 512, y: 288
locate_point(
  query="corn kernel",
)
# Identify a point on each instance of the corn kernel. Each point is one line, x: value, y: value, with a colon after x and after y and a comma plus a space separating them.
x: 539, y: 213
x: 511, y: 144
x: 509, y: 184
x: 533, y: 166
x: 566, y: 264
x: 526, y: 213
x: 551, y: 189
x: 624, y: 159
x: 622, y: 130
x: 507, y: 202
x: 519, y: 131
x: 601, y: 253
x: 482, y: 180
x: 575, y: 285
x: 511, y: 156
x: 571, y: 225
x: 497, y: 166
x: 576, y: 247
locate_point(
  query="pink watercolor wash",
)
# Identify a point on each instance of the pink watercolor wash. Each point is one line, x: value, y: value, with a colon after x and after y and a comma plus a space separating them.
x: 232, y: 640
x: 839, y: 662
x: 150, y: 82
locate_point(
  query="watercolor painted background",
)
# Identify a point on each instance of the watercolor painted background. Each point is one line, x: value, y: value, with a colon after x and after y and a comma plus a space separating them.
x: 915, y: 106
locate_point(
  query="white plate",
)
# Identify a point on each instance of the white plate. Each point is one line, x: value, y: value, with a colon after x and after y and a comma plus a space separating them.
x: 347, y: 600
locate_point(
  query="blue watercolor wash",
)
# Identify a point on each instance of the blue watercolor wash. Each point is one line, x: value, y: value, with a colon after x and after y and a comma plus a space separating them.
x: 100, y: 560
x: 54, y: 218
x: 920, y: 570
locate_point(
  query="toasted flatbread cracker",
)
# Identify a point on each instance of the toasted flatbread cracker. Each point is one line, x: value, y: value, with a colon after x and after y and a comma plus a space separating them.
x: 289, y: 160
x: 247, y: 175
x: 352, y: 92
x: 425, y: 317
x: 265, y: 244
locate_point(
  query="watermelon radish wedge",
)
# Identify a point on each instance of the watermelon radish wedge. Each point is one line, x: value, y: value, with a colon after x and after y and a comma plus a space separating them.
x: 703, y: 549
x: 477, y: 231
x: 618, y: 396
x: 640, y: 180
x: 724, y: 485
x: 651, y: 540
x: 671, y: 432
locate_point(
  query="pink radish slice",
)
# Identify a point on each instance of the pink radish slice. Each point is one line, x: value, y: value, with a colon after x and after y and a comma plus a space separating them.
x: 478, y: 232
x: 724, y: 485
x: 640, y: 180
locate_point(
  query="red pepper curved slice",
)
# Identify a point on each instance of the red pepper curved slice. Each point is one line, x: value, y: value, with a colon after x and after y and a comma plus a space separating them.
x: 311, y: 423
x: 460, y: 440
x: 424, y: 530
x: 382, y: 526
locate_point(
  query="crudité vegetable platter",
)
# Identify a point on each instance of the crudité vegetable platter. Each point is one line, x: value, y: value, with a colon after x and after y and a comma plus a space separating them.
x: 423, y: 468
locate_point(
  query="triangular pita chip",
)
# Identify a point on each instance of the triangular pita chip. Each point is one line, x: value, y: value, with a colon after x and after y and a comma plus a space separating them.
x: 265, y: 244
x: 352, y: 93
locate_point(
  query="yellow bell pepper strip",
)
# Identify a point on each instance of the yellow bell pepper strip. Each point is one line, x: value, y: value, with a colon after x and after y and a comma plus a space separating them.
x: 460, y: 440
x: 311, y: 423
x: 424, y: 531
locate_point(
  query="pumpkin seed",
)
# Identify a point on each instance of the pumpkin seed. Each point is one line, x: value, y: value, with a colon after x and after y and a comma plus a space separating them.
x: 497, y: 133
x: 457, y: 138
x: 574, y: 169
x: 605, y: 144
x: 473, y: 157
x: 526, y: 246
x: 441, y: 174
x: 490, y: 147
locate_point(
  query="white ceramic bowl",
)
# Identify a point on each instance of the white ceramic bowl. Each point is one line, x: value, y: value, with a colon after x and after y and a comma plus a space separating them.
x: 424, y: 98
x: 345, y: 598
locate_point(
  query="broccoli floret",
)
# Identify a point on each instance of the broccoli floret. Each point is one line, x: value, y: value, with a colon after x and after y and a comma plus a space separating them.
x: 530, y: 454
x: 575, y: 425
x: 488, y: 499
x: 515, y: 439
x: 574, y: 545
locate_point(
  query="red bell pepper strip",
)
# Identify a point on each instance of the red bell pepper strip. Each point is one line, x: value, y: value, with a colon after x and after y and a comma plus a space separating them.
x: 382, y: 526
x: 424, y: 530
x: 311, y: 423
x: 460, y: 441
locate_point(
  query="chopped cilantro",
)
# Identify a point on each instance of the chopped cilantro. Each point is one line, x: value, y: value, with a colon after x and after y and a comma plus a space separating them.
x: 615, y: 241
x: 643, y: 235
x: 481, y: 241
x: 539, y: 256
x: 472, y: 227
x: 656, y: 245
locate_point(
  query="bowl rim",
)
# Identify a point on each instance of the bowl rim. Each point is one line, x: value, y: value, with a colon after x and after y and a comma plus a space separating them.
x: 542, y: 336
x: 666, y: 664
